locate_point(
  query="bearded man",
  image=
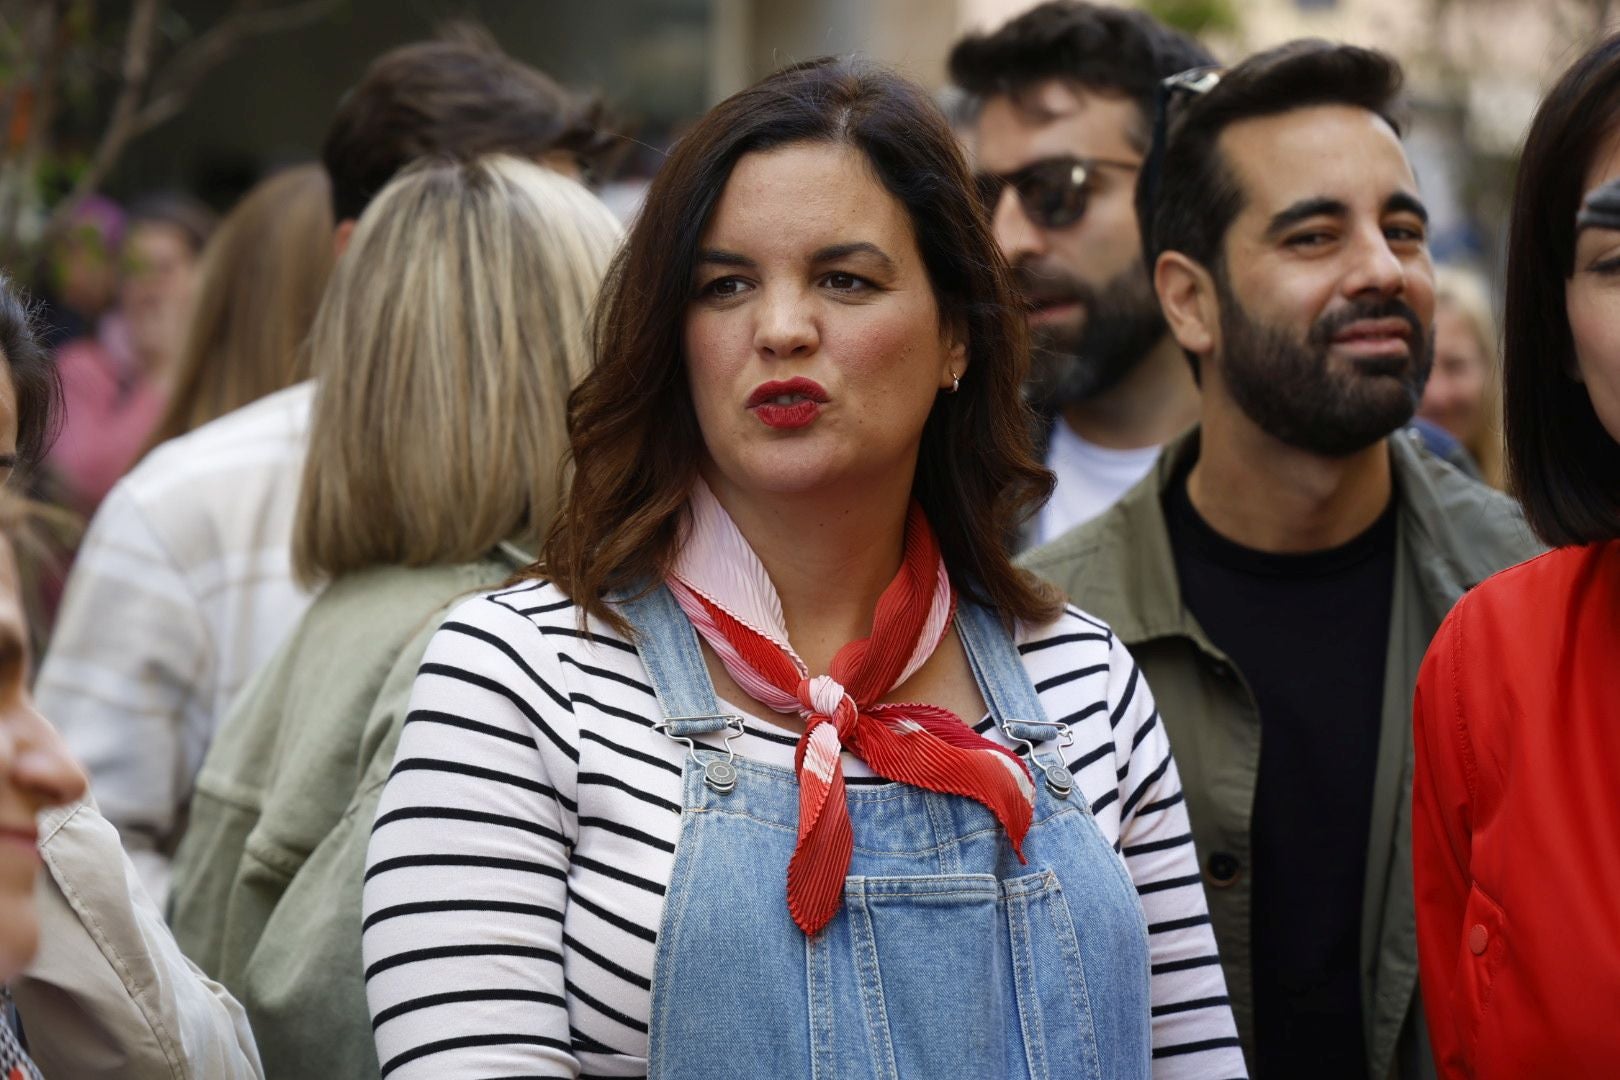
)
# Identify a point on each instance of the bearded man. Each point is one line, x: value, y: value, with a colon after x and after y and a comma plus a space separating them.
x: 1280, y: 573
x: 1062, y: 102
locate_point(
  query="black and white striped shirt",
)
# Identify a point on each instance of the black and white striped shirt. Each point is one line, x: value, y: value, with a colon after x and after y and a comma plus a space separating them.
x: 516, y: 875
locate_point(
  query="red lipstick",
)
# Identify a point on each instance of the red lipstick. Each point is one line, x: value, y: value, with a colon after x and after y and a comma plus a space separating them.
x: 787, y: 404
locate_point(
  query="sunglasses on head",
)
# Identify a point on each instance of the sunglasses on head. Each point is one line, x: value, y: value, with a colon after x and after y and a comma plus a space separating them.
x: 1173, y: 93
x: 1053, y: 192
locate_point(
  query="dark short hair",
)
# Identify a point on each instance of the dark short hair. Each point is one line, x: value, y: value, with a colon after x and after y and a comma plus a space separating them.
x: 33, y: 377
x: 1562, y: 464
x: 634, y: 435
x: 458, y: 98
x: 178, y: 210
x: 1109, y: 50
x: 1198, y: 195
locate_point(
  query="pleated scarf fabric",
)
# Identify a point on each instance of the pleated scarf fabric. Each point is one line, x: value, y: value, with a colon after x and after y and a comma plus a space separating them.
x: 722, y: 587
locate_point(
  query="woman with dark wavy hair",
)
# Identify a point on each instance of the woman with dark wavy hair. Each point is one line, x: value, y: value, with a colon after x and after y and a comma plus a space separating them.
x: 1516, y: 820
x: 775, y: 765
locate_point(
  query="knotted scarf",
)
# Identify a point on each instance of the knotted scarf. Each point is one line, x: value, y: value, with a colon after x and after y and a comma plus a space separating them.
x: 724, y: 590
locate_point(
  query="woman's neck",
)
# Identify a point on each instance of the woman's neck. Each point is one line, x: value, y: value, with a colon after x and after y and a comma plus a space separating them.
x: 829, y: 553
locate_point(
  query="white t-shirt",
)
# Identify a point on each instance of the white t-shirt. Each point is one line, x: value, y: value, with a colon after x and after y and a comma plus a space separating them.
x: 1090, y: 479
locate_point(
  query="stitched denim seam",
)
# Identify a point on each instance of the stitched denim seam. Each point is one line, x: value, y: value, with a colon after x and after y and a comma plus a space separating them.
x: 1069, y: 943
x: 873, y: 1005
x: 688, y: 847
x: 1027, y: 993
x: 779, y: 827
x: 817, y: 966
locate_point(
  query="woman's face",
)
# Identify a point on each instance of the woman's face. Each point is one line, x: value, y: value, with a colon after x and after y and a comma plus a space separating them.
x: 1592, y: 298
x: 160, y: 279
x: 814, y: 345
x: 35, y: 770
x: 1454, y: 396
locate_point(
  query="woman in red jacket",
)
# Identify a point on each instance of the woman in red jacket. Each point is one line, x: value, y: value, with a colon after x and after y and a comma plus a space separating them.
x: 1516, y: 831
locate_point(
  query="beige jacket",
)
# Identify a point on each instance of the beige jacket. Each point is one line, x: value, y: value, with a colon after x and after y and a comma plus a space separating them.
x: 110, y: 995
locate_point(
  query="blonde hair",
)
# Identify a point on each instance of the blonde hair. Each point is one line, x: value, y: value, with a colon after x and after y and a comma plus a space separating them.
x: 1466, y: 292
x: 454, y: 328
x: 262, y: 276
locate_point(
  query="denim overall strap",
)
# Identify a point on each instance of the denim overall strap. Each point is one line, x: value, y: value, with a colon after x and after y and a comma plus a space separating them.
x: 669, y: 648
x: 1014, y: 705
x: 997, y: 667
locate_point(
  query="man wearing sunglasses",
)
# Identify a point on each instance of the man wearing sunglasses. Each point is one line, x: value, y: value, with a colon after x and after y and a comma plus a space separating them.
x: 1280, y: 573
x: 1062, y: 102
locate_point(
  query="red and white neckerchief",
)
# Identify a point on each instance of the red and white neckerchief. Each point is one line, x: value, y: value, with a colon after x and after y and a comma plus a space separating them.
x: 722, y: 587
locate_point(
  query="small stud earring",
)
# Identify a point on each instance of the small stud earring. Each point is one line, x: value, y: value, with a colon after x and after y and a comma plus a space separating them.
x: 956, y: 384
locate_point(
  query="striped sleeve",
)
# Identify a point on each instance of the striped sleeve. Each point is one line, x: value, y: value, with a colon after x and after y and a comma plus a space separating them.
x: 466, y: 876
x: 1194, y: 1035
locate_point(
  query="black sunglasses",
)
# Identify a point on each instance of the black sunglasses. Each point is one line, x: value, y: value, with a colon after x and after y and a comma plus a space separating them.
x: 1054, y: 191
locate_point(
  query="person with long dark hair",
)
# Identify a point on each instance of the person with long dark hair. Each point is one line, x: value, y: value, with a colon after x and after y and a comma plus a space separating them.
x: 775, y: 765
x: 1516, y: 823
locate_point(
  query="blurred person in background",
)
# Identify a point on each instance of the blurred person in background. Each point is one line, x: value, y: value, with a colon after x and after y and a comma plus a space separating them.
x: 185, y: 586
x: 103, y: 990
x: 261, y: 280
x: 445, y: 351
x: 1062, y: 102
x: 81, y: 278
x: 805, y: 430
x: 112, y: 400
x: 1464, y: 391
x: 1280, y: 573
x: 1516, y: 811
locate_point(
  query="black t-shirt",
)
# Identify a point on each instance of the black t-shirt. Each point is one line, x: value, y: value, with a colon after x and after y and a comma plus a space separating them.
x: 1308, y: 632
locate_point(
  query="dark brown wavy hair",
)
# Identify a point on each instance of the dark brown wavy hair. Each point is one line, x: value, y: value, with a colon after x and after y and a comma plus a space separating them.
x: 633, y: 434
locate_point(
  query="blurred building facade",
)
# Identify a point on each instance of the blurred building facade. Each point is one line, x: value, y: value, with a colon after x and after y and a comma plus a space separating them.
x: 1476, y: 70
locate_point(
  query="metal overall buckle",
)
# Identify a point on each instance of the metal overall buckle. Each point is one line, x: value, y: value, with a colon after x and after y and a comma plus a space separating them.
x: 719, y: 775
x: 1059, y: 781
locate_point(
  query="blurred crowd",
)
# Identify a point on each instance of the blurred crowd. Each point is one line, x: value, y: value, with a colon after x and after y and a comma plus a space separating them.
x: 378, y: 553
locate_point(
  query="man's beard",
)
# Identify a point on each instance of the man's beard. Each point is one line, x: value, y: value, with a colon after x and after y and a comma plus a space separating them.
x: 1122, y: 323
x: 1291, y: 391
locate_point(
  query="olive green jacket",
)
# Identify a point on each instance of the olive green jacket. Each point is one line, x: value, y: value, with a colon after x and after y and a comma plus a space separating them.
x: 276, y: 848
x: 1452, y: 533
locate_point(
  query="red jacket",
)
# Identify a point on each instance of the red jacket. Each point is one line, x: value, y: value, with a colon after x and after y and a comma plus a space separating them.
x: 1516, y: 823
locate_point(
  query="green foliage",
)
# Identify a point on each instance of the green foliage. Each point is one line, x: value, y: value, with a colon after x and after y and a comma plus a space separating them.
x: 1194, y: 16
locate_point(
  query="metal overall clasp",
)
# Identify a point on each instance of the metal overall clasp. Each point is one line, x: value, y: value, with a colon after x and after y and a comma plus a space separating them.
x: 719, y: 774
x: 1059, y: 781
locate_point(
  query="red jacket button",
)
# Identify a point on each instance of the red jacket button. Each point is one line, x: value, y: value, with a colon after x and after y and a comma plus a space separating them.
x: 1478, y: 938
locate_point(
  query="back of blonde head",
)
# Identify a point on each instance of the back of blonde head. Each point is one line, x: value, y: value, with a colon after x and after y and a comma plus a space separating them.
x: 453, y: 329
x: 262, y: 276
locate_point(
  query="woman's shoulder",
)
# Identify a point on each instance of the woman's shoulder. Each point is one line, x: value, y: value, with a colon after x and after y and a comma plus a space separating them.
x: 1516, y: 627
x: 1073, y: 635
x: 536, y: 617
x: 1535, y: 593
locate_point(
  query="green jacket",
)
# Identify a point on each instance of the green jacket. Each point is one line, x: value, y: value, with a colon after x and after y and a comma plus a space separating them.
x: 1452, y: 533
x: 276, y: 848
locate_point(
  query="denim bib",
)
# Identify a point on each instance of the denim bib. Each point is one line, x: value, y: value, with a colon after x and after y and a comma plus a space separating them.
x: 948, y: 958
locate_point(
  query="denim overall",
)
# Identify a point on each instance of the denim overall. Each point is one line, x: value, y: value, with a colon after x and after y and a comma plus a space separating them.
x: 948, y: 958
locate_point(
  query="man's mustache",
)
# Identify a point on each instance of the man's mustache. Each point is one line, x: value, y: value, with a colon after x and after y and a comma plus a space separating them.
x: 1325, y: 329
x: 1042, y: 287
